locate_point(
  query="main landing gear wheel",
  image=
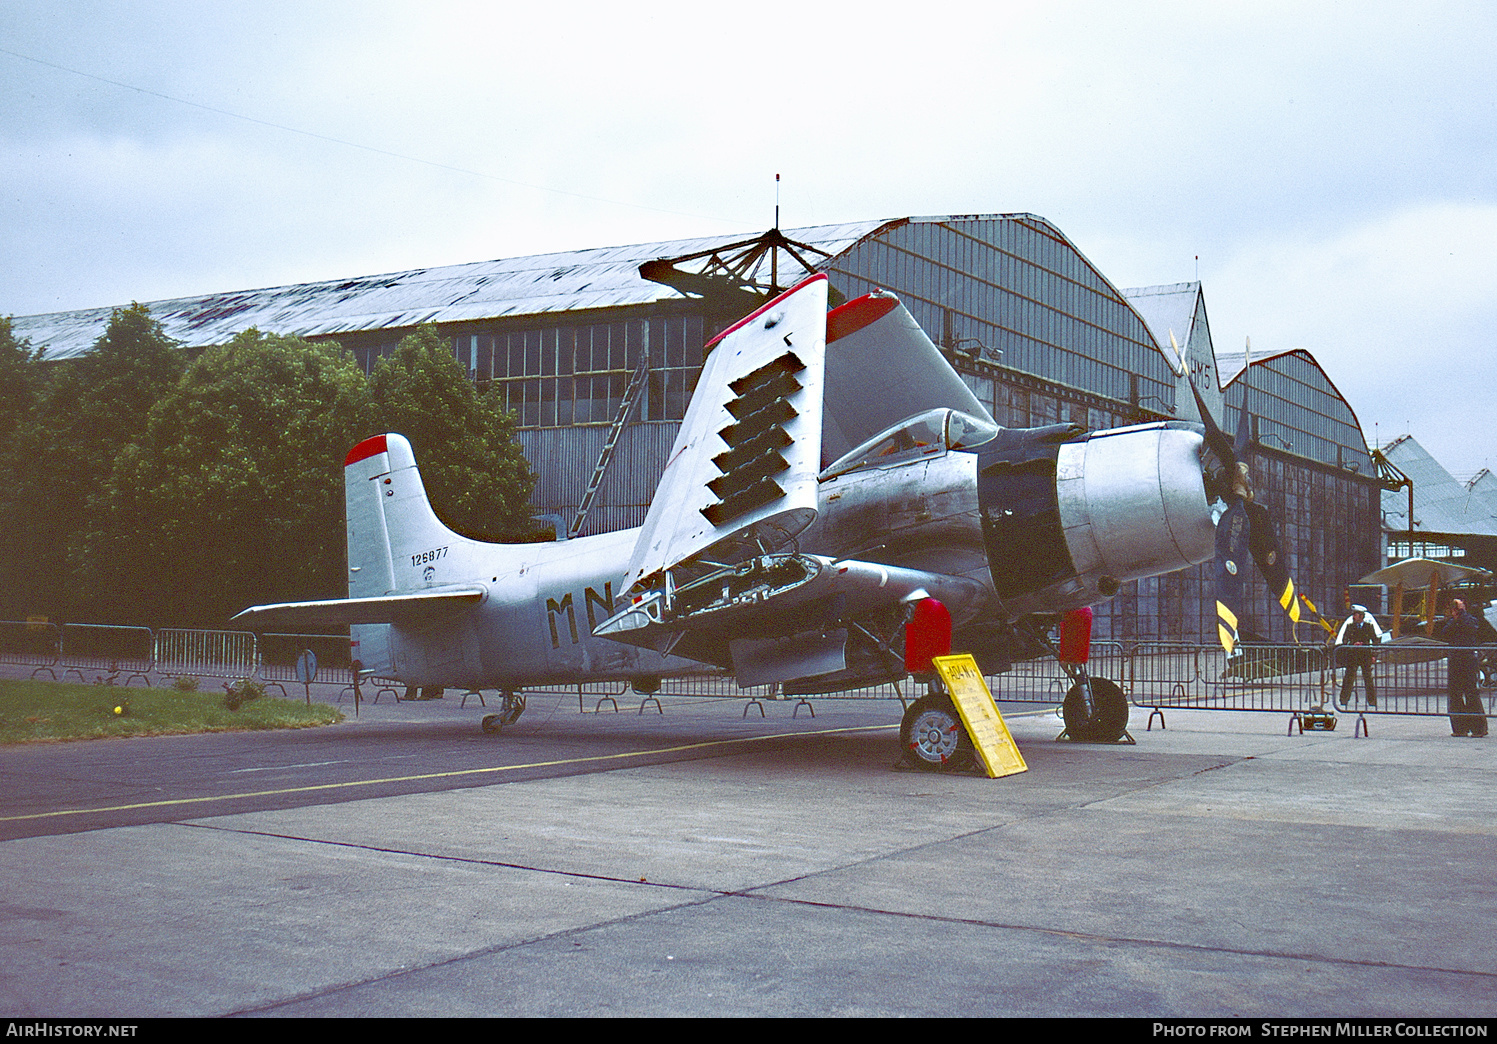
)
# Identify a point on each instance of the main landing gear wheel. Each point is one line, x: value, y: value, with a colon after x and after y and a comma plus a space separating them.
x: 1486, y: 671
x: 1109, y: 717
x: 933, y: 735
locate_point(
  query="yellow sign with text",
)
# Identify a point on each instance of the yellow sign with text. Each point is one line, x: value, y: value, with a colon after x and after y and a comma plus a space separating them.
x: 969, y: 691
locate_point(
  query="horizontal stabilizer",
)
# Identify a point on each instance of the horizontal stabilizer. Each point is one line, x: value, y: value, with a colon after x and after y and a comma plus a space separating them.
x: 417, y: 607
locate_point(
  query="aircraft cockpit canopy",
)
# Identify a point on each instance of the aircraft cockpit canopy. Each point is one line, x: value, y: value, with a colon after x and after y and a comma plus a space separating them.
x: 924, y: 435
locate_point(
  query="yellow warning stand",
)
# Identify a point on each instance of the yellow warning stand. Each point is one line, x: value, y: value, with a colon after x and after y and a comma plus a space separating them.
x: 969, y: 691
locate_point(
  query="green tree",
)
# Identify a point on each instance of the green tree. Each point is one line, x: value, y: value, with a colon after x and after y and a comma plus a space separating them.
x: 233, y: 495
x: 89, y: 410
x: 475, y: 473
x: 21, y: 383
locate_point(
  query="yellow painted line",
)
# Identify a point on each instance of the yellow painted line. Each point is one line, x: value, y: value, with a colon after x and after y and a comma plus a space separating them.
x: 437, y: 775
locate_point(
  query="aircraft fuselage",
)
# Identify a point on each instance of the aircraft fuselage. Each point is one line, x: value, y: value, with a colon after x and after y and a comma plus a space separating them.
x: 535, y: 626
x: 1036, y: 521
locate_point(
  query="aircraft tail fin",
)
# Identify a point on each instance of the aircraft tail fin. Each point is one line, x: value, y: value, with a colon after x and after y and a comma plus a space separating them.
x: 393, y: 534
x: 404, y: 566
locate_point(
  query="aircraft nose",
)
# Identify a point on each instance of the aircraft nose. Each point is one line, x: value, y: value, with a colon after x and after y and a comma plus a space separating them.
x: 1133, y: 502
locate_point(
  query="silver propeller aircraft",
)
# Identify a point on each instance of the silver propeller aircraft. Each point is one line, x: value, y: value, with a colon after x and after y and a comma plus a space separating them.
x: 832, y: 474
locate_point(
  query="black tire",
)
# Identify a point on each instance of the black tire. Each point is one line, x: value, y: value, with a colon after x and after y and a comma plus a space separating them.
x: 492, y: 723
x: 933, y: 736
x: 1486, y: 671
x: 1108, y: 719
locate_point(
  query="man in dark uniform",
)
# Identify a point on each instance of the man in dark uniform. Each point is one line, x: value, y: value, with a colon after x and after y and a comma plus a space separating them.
x: 1354, y: 644
x: 1467, y: 716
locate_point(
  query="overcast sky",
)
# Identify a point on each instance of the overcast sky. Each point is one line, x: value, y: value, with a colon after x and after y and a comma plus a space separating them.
x: 1332, y: 165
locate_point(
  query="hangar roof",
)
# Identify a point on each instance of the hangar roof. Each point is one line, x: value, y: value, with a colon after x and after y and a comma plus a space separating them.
x: 1441, y: 503
x: 1232, y: 364
x: 1167, y: 309
x: 600, y: 277
x: 1295, y: 405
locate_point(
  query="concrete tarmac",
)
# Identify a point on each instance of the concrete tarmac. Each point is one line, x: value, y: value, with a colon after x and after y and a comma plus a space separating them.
x: 1217, y: 868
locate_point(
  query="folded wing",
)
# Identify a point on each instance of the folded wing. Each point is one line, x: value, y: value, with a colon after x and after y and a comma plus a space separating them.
x: 880, y: 369
x: 715, y: 574
x: 741, y: 476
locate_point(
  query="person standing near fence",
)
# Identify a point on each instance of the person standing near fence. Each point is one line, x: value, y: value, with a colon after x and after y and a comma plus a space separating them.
x: 1467, y: 716
x: 1354, y: 642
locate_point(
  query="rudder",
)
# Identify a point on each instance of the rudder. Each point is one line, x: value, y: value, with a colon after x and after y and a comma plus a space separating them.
x: 389, y: 516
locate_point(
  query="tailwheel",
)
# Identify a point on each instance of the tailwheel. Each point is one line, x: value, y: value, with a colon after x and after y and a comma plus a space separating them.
x: 1107, y: 721
x: 933, y: 735
x: 509, y: 712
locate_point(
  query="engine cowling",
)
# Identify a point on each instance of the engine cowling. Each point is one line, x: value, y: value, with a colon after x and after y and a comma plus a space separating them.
x: 1067, y: 520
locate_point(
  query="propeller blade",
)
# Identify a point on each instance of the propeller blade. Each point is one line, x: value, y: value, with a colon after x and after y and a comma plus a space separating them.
x: 1182, y: 367
x: 1319, y: 618
x: 1263, y: 541
x: 1215, y: 437
x: 1245, y: 529
x: 1233, y: 539
x: 1244, y: 430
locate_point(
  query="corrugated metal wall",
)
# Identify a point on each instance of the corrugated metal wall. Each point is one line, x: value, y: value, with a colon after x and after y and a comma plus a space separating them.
x: 563, y: 460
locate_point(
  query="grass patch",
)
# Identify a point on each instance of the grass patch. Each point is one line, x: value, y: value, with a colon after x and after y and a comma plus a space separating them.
x: 40, y: 710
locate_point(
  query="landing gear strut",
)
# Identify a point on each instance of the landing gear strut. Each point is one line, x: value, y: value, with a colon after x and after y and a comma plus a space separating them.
x: 509, y: 712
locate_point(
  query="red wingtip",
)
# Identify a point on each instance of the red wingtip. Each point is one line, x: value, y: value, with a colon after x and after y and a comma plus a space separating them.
x: 368, y: 448
x: 864, y: 311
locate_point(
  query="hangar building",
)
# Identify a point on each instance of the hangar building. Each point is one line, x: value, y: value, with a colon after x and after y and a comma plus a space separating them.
x: 1039, y: 334
x: 1453, y: 521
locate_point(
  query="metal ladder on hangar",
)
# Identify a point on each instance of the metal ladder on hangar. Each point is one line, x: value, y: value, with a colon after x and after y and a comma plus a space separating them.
x: 626, y: 407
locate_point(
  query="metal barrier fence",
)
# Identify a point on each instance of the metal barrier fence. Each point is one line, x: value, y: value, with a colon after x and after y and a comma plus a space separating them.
x: 1041, y: 681
x: 31, y: 644
x: 1414, y: 680
x: 105, y: 653
x: 207, y: 654
x: 1292, y: 679
x: 723, y: 685
x: 1289, y: 679
x: 102, y: 652
x: 1044, y: 681
x: 279, y: 653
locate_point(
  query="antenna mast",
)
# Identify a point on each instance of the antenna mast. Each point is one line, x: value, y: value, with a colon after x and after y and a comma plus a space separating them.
x: 774, y: 252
